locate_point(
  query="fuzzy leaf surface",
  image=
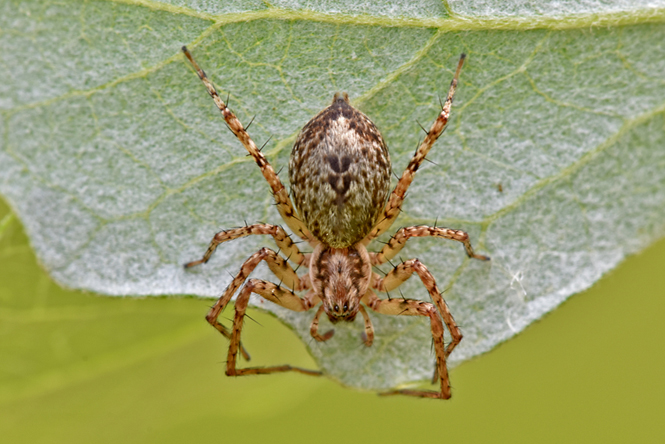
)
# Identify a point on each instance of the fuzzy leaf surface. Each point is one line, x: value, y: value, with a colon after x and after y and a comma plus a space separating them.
x: 121, y: 169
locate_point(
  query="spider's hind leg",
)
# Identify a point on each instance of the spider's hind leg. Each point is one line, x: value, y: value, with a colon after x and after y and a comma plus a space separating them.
x: 282, y: 200
x: 396, y: 198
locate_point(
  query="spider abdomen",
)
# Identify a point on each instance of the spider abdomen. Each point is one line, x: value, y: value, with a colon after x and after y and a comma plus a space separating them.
x: 340, y: 174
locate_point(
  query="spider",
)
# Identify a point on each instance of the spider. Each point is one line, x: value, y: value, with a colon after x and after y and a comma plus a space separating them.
x: 339, y: 172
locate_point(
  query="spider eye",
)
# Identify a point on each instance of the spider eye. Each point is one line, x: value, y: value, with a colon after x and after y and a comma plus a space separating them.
x: 346, y: 307
x: 336, y: 307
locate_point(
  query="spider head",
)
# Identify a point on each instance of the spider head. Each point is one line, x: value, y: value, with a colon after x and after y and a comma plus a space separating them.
x: 341, y: 309
x: 340, y: 277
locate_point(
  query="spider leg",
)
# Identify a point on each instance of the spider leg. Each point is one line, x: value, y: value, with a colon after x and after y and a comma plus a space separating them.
x: 419, y: 308
x: 411, y: 307
x: 282, y: 270
x: 269, y: 291
x: 277, y: 294
x: 314, y: 328
x: 396, y: 199
x: 368, y: 334
x: 401, y: 273
x: 398, y: 241
x: 284, y: 204
x: 282, y: 239
x: 277, y: 265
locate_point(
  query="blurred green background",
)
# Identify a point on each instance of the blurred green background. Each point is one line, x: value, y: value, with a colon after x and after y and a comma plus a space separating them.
x: 79, y: 368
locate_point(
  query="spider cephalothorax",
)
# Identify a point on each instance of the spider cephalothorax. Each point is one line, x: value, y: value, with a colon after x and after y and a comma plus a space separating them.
x: 340, y: 278
x: 340, y: 178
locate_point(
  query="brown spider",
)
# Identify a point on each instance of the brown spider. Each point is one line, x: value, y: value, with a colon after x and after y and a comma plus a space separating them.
x: 340, y: 177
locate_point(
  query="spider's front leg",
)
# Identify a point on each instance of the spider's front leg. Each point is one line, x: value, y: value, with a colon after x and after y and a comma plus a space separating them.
x: 398, y: 275
x: 277, y: 265
x: 274, y: 293
x: 396, y: 198
x: 410, y: 307
x: 284, y: 204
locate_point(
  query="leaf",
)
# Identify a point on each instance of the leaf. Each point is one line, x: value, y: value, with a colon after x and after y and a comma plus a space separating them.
x: 121, y: 169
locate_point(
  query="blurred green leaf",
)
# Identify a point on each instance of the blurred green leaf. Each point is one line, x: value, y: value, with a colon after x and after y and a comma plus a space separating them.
x: 121, y: 169
x: 56, y: 344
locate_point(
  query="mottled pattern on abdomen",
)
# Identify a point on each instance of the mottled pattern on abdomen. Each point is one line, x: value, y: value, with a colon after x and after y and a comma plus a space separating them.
x: 340, y: 174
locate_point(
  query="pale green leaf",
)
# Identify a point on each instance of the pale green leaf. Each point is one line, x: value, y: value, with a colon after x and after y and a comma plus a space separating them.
x: 121, y: 168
